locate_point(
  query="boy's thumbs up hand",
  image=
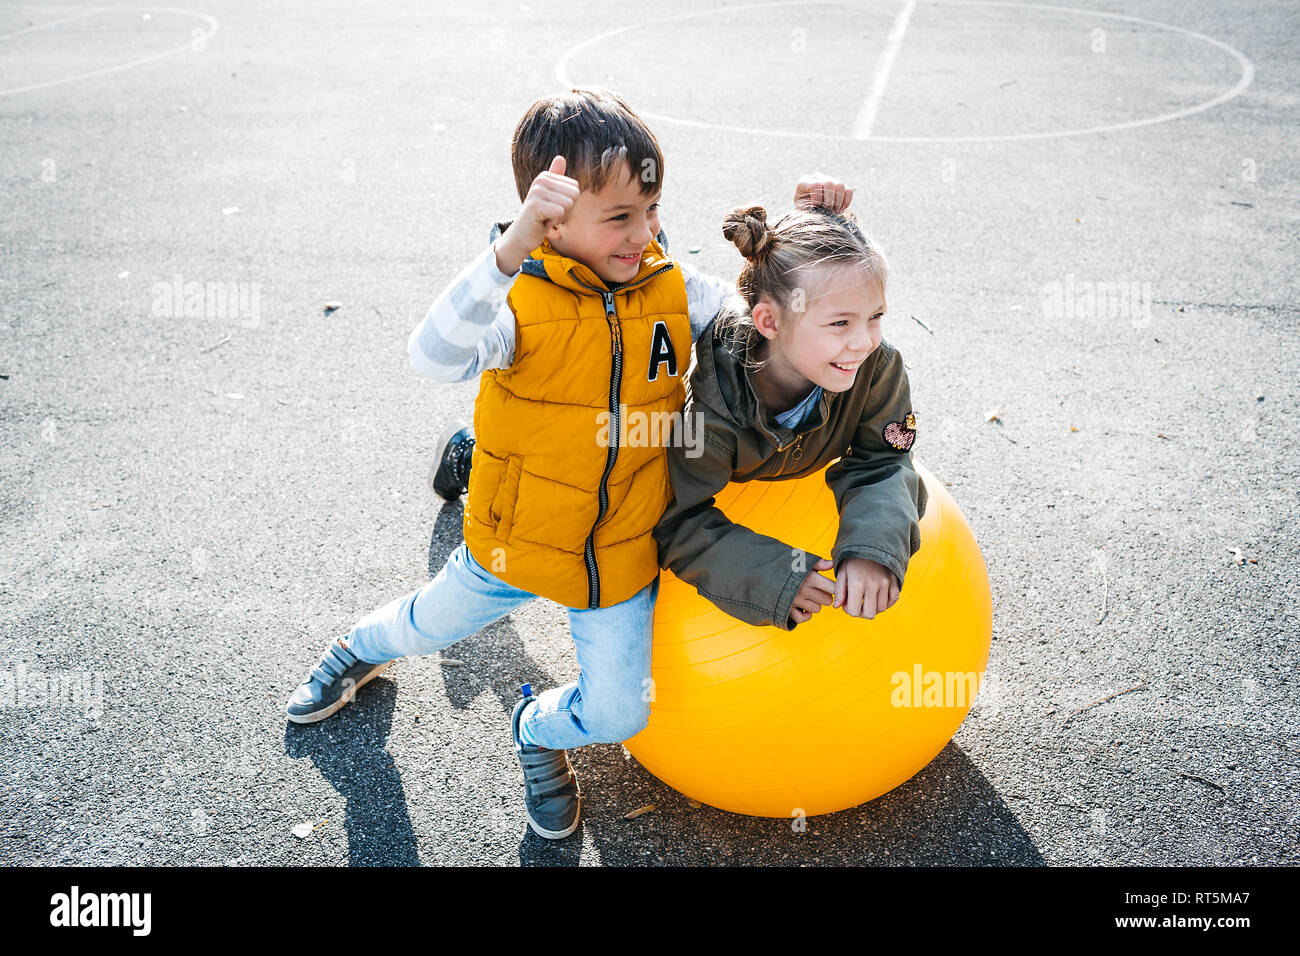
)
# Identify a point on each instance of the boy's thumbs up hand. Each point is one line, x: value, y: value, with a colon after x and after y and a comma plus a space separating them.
x: 548, y: 203
x: 549, y: 200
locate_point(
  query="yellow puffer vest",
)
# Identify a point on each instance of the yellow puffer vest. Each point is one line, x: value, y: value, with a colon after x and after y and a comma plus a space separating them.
x: 569, y: 475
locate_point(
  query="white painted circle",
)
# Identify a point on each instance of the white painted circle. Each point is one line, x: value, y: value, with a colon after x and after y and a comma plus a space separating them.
x: 1247, y: 77
x: 90, y: 11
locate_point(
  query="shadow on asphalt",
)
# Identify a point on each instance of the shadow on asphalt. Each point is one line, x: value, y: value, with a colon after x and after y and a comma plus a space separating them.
x: 947, y: 814
x: 447, y: 530
x: 376, y: 821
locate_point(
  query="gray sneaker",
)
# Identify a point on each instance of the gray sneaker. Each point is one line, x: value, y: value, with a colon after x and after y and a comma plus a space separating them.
x: 331, y: 684
x: 551, y: 797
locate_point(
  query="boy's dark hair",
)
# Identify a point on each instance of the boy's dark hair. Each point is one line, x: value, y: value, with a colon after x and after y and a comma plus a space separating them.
x: 595, y: 131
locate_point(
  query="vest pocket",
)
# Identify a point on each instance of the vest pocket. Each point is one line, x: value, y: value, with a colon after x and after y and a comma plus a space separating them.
x: 485, y: 482
x: 503, y: 505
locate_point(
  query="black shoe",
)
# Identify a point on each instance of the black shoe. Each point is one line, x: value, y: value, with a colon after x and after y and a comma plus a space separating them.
x: 449, y: 476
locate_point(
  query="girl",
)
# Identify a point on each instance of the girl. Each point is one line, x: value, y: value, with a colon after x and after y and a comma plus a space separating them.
x: 795, y: 376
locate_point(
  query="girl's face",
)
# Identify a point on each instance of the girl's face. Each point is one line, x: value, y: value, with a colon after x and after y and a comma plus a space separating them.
x: 828, y: 342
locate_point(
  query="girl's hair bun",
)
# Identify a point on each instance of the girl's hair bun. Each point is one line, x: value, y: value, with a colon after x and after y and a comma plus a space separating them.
x: 748, y: 229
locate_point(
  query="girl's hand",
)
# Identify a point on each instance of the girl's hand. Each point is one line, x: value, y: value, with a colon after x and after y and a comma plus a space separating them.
x: 864, y: 588
x: 821, y: 190
x: 815, y: 592
x: 549, y: 201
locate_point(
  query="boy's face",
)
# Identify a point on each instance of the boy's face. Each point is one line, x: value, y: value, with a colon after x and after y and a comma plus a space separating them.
x: 608, y: 230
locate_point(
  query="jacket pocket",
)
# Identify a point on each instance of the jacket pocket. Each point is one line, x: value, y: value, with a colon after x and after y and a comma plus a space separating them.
x: 503, y: 505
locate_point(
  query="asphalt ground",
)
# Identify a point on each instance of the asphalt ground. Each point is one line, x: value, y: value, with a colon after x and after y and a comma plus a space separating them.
x: 193, y: 503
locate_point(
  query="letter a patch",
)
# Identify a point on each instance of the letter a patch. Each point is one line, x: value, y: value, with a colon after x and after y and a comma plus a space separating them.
x: 661, y: 351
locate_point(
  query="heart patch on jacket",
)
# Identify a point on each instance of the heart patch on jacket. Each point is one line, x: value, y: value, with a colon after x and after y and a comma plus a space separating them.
x: 902, y: 434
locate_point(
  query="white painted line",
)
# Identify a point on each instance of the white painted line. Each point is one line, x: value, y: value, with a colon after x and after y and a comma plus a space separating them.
x: 866, y: 120
x: 89, y: 11
x: 1247, y: 77
x: 191, y: 43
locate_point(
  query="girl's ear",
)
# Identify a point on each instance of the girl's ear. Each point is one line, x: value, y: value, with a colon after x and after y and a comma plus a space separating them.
x: 766, y: 320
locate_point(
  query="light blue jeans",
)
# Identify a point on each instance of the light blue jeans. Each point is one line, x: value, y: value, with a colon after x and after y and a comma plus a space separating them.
x: 608, y: 703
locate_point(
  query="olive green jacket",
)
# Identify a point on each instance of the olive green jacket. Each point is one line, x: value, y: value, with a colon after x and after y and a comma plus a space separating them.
x: 878, y: 493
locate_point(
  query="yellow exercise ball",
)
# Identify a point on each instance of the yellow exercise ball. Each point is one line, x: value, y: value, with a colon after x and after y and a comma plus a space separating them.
x: 840, y: 710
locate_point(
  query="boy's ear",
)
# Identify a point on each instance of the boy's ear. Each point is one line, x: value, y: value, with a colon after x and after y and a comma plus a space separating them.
x: 765, y: 319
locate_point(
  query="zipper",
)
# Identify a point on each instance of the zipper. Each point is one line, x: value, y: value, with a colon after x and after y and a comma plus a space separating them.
x: 789, y: 458
x: 797, y: 455
x: 616, y: 427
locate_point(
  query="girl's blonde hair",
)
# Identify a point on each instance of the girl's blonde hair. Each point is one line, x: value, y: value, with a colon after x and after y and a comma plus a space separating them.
x: 800, y: 240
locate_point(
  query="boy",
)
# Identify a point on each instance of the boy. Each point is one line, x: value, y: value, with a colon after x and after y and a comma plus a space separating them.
x: 574, y: 317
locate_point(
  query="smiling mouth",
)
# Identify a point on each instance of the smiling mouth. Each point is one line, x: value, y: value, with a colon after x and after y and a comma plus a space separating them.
x: 846, y: 367
x: 631, y: 257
